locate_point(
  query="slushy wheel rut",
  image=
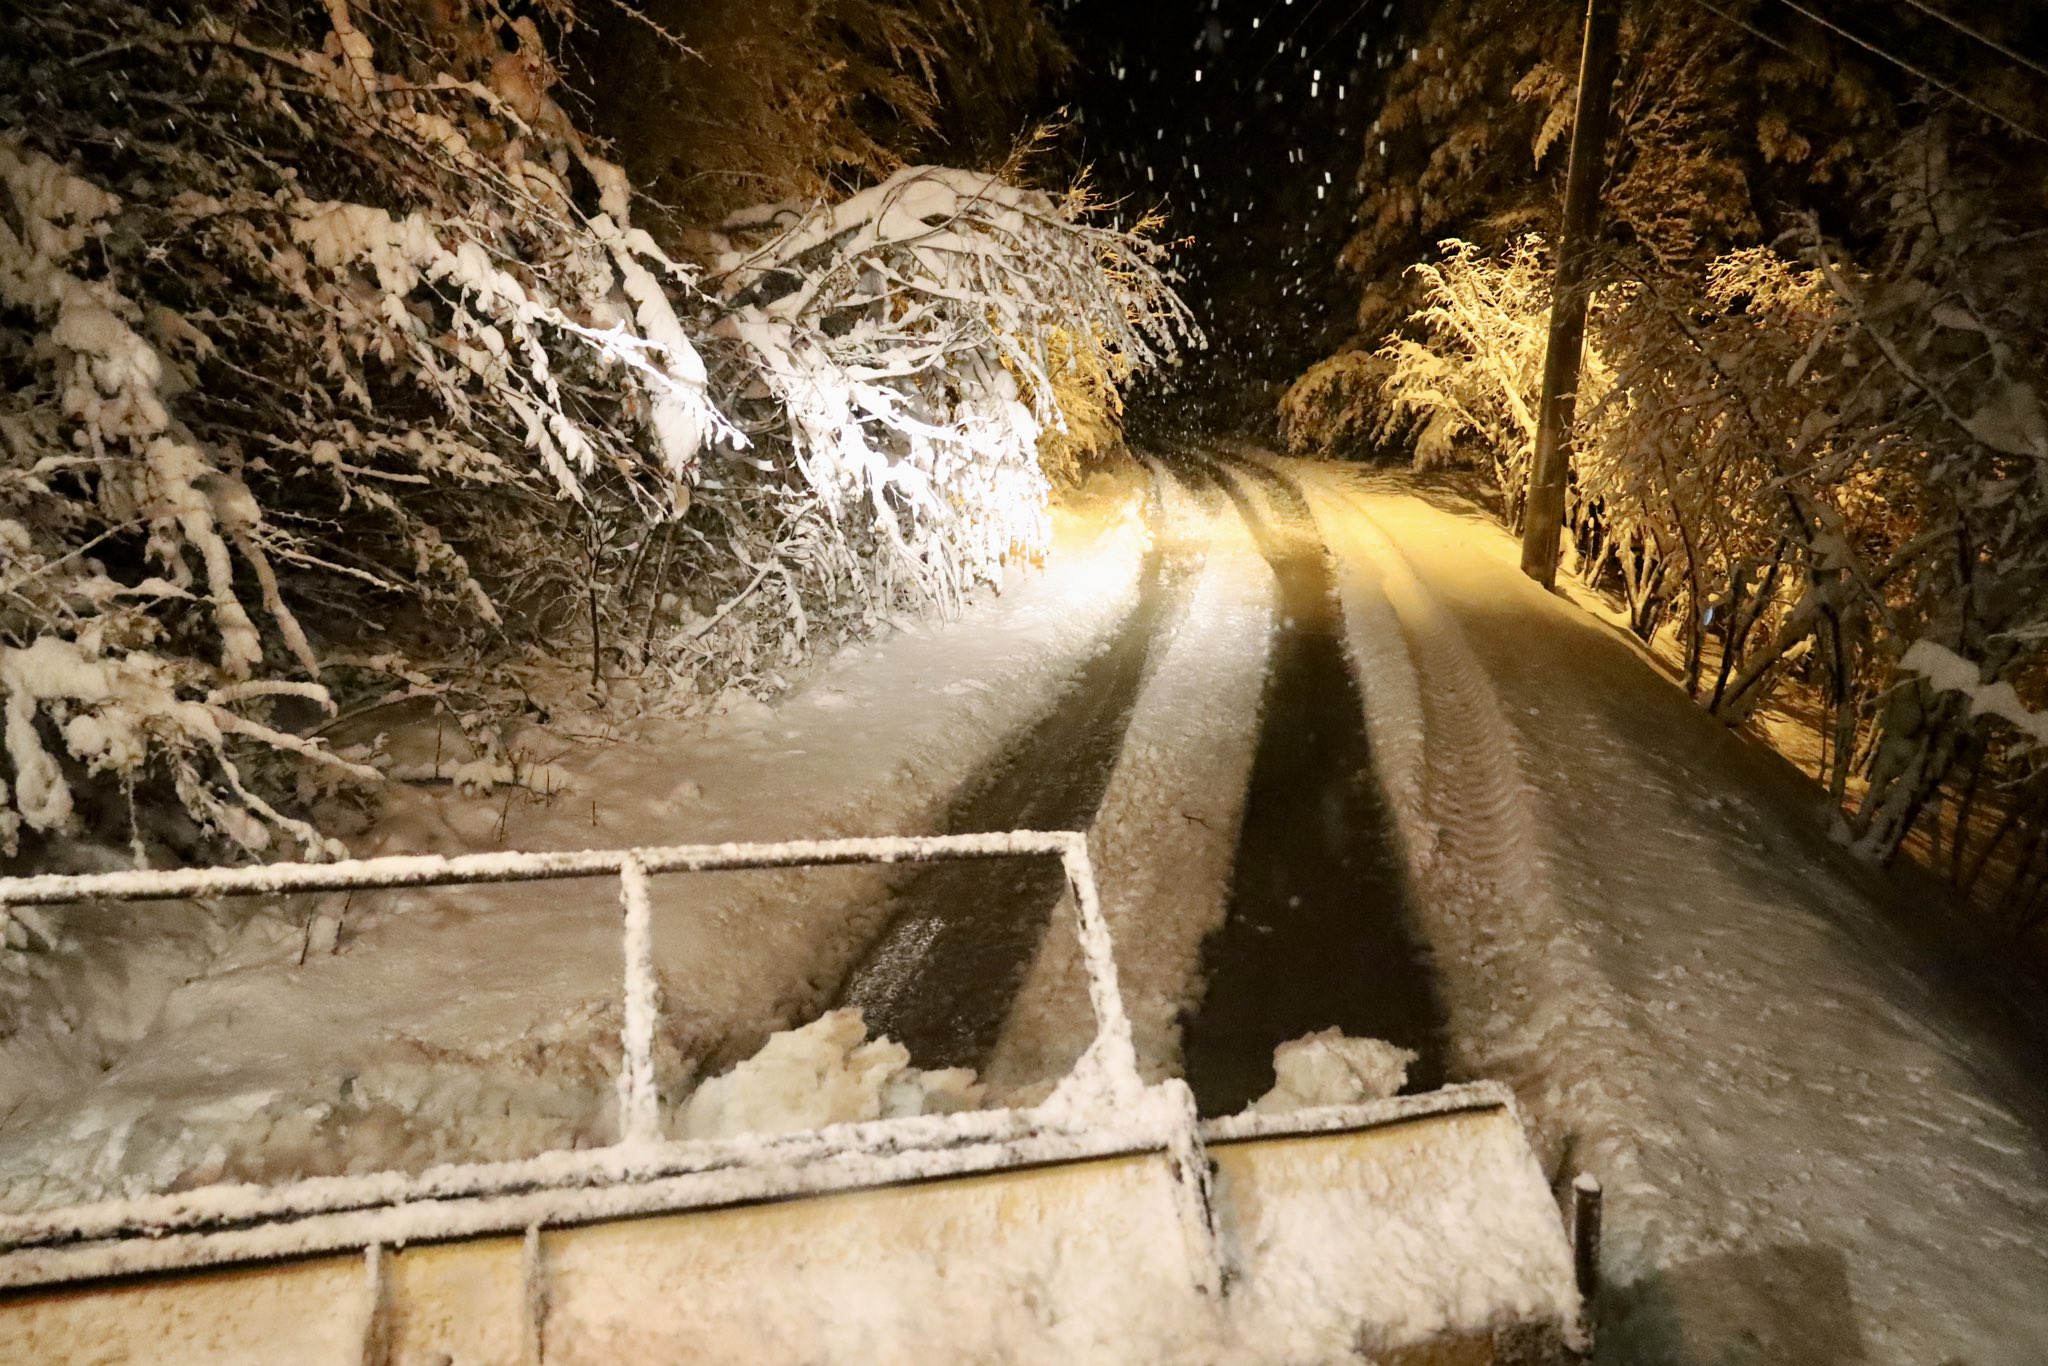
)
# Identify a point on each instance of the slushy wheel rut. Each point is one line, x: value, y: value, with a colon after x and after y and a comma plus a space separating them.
x: 942, y: 977
x: 1318, y: 931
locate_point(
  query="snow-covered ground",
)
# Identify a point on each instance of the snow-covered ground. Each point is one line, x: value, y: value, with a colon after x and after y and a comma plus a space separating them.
x: 1817, y: 1147
x: 483, y: 1024
x: 1166, y: 831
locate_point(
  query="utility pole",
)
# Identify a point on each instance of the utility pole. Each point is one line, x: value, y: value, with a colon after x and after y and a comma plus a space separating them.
x: 1543, y: 512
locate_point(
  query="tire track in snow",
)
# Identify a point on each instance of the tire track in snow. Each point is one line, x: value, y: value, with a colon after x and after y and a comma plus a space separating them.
x: 1528, y: 1003
x: 1318, y: 932
x: 1770, y: 1094
x: 1166, y: 833
x: 942, y: 977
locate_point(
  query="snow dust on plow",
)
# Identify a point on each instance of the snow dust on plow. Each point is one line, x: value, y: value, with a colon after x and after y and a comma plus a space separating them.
x: 1106, y: 1224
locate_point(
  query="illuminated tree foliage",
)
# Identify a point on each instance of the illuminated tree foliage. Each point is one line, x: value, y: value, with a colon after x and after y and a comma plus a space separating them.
x: 798, y: 99
x: 1810, y: 440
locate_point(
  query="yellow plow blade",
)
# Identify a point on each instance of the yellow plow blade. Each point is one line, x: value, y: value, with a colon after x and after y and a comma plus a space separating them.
x: 1423, y: 1239
x: 1106, y: 1224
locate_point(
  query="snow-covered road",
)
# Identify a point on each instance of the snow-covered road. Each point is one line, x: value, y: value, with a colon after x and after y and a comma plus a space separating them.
x: 1820, y: 1146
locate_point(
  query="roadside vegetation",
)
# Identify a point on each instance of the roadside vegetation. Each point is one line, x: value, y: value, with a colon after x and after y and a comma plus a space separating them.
x: 346, y: 364
x: 1810, y: 449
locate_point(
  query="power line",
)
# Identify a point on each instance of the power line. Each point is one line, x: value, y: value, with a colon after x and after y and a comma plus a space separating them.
x: 1796, y: 54
x: 1912, y: 70
x: 1755, y: 32
x: 1293, y: 33
x: 1338, y: 31
x: 1984, y: 38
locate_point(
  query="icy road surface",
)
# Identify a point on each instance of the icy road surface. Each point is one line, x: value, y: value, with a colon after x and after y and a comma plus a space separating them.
x: 1819, y: 1137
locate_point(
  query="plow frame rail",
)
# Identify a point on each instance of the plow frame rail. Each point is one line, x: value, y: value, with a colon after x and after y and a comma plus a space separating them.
x: 1102, y: 1108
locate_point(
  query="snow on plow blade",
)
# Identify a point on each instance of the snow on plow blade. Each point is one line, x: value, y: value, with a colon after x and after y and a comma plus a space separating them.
x: 1358, y: 1238
x: 1106, y: 1224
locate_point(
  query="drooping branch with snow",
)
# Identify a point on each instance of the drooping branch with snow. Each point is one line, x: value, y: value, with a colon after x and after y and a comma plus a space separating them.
x: 337, y: 370
x: 266, y: 351
x: 909, y: 340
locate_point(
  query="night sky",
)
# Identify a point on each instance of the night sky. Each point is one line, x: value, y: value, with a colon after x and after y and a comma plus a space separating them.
x: 1245, y: 119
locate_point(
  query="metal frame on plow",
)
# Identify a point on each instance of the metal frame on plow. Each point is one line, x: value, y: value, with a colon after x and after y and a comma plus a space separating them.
x: 1102, y: 1108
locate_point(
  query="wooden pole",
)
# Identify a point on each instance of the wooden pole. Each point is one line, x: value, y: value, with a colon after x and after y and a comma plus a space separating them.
x: 1586, y: 1202
x: 1543, y: 513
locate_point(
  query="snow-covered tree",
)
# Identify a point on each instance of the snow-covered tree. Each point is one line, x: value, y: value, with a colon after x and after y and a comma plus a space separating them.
x: 1806, y: 441
x: 296, y: 300
x: 1802, y: 465
x: 913, y: 340
x: 337, y: 372
x: 741, y: 102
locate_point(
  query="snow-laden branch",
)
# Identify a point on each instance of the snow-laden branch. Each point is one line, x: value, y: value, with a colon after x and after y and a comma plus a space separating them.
x: 344, y: 291
x: 911, y: 337
x: 1947, y: 671
x: 354, y: 350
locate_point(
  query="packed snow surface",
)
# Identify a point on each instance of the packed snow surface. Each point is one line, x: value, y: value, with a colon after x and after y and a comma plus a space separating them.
x: 156, y: 1046
x: 1165, y: 834
x: 1820, y: 1141
x: 1820, y: 1132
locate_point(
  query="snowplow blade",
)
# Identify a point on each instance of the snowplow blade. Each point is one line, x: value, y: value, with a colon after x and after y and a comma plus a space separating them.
x: 1106, y: 1224
x: 1426, y: 1238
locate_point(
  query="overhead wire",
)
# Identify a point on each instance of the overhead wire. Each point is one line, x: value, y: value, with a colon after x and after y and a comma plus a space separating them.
x: 1338, y: 32
x: 1755, y: 32
x: 1912, y: 70
x: 1288, y: 41
x: 1984, y: 38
